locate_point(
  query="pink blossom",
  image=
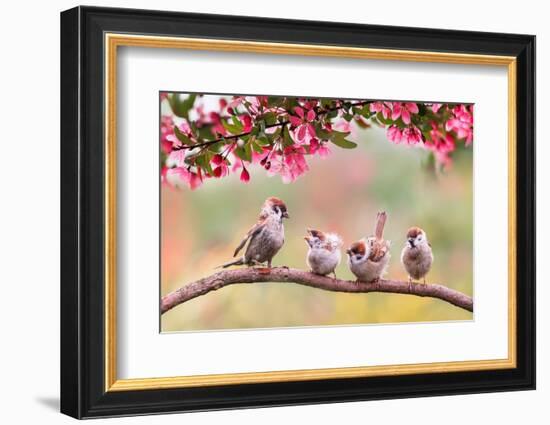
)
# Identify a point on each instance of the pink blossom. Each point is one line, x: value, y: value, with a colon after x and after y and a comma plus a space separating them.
x: 461, y: 123
x: 309, y: 103
x: 324, y: 151
x: 176, y: 158
x: 394, y: 134
x: 261, y: 158
x: 320, y: 148
x: 255, y: 104
x: 343, y: 125
x: 440, y: 144
x: 184, y: 128
x: 216, y: 122
x: 246, y: 121
x: 221, y: 168
x: 166, y: 133
x: 412, y: 135
x: 211, y: 118
x: 181, y: 175
x: 234, y: 104
x: 245, y: 175
x: 380, y: 107
x: 436, y: 107
x: 302, y: 123
x: 290, y: 165
x: 403, y: 110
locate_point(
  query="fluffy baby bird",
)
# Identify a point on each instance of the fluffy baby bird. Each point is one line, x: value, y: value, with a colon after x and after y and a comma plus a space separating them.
x: 324, y: 253
x: 368, y: 258
x: 265, y: 238
x: 417, y: 256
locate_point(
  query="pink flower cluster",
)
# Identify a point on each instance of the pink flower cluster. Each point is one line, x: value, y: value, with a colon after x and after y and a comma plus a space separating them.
x: 231, y: 135
x: 303, y: 124
x: 438, y: 136
x: 289, y: 164
x: 462, y: 122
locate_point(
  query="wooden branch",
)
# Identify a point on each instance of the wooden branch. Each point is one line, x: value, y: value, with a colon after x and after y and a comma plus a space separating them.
x: 301, y: 277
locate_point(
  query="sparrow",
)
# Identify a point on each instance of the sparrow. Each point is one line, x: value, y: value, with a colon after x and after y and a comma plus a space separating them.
x: 324, y: 254
x: 417, y: 256
x: 265, y: 238
x: 368, y: 258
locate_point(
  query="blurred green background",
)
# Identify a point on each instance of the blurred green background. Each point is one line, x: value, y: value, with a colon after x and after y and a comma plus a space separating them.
x: 342, y: 193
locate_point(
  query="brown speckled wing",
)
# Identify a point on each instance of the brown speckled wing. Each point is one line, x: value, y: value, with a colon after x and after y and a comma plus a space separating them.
x: 379, y: 250
x: 253, y: 230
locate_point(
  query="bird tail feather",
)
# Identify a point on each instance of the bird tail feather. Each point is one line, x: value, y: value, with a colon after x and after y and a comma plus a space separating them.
x: 380, y: 223
x: 238, y: 262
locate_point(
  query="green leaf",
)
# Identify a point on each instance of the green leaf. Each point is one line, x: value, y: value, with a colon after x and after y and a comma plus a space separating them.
x: 232, y: 128
x: 263, y: 140
x: 344, y: 143
x: 359, y: 121
x: 287, y: 140
x: 182, y: 137
x: 205, y: 133
x: 216, y: 147
x: 203, y: 161
x: 248, y: 152
x: 256, y: 147
x: 340, y: 134
x: 322, y: 134
x: 181, y: 107
x: 237, y: 123
x: 383, y: 120
x: 366, y: 112
x: 276, y: 134
x: 339, y: 139
x: 244, y: 152
x: 255, y: 131
x: 270, y: 118
x: 274, y: 101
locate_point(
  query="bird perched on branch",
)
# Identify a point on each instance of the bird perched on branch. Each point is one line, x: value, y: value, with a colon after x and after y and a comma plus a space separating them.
x: 265, y: 238
x: 417, y: 256
x: 324, y: 253
x: 368, y: 258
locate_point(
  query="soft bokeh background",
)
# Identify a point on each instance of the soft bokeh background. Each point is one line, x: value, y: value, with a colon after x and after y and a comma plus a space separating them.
x: 342, y: 193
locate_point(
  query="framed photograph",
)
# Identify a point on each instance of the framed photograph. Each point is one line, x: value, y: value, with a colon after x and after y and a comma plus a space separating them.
x: 261, y: 212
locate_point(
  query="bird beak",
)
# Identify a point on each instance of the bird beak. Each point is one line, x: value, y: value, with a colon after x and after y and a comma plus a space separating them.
x: 285, y: 215
x: 348, y: 251
x: 411, y: 242
x: 306, y: 238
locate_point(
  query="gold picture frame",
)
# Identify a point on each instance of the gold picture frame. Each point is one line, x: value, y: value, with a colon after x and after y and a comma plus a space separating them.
x: 114, y: 41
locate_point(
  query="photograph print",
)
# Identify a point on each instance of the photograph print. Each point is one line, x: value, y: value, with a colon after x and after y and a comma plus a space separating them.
x: 288, y: 211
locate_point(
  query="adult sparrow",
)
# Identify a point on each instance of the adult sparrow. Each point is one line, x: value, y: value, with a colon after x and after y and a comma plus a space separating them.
x: 368, y: 258
x: 265, y: 238
x: 324, y: 253
x: 417, y: 256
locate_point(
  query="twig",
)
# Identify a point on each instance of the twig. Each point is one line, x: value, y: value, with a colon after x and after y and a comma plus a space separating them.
x: 301, y: 277
x: 278, y: 124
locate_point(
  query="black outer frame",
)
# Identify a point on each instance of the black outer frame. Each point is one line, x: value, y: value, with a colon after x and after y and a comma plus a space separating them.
x: 82, y: 206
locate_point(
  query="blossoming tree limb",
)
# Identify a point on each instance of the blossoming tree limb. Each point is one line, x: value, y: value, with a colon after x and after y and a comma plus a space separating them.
x: 279, y: 133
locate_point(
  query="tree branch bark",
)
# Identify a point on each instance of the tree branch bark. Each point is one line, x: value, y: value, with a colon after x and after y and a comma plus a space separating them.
x: 301, y: 277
